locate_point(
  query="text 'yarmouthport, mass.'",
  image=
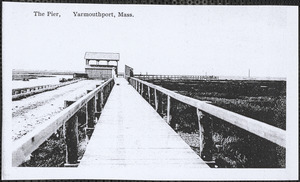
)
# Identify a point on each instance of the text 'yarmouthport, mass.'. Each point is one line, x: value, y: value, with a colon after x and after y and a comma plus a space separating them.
x: 102, y: 15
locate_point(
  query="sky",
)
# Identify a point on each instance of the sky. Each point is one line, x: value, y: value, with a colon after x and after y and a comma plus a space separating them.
x: 197, y: 40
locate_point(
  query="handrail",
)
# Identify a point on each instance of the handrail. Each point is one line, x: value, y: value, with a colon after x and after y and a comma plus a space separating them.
x: 271, y: 133
x: 192, y: 77
x: 19, y: 93
x: 31, y: 141
x: 30, y: 88
x: 41, y: 86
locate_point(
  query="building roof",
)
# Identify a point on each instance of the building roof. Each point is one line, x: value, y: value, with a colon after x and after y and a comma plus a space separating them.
x: 102, y: 56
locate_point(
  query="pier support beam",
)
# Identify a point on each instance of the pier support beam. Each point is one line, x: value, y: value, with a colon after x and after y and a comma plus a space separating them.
x: 71, y: 138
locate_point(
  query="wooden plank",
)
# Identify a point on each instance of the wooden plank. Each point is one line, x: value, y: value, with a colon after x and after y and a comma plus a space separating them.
x: 269, y: 132
x: 131, y: 133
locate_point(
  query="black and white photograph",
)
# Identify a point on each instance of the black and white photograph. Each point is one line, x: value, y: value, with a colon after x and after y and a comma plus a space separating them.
x: 149, y: 92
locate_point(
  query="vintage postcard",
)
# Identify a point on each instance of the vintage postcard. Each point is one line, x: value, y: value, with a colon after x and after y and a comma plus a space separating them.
x: 149, y: 92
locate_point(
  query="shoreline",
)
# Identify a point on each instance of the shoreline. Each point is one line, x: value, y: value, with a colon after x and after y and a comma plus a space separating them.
x: 21, y: 77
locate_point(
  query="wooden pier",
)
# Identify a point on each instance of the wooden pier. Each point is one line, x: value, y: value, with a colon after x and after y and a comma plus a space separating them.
x: 130, y: 133
x: 125, y: 130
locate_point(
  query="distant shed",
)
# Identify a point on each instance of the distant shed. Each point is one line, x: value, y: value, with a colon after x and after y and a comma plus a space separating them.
x: 96, y: 70
x: 128, y: 71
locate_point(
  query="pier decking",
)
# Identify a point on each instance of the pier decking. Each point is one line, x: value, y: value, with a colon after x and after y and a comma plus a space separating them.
x: 130, y: 133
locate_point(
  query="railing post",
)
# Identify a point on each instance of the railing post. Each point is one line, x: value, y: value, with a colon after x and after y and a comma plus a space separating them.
x: 155, y: 100
x: 90, y: 109
x: 142, y: 91
x: 149, y: 96
x: 168, y: 109
x: 97, y: 100
x: 97, y: 110
x: 205, y: 136
x: 160, y: 106
x: 111, y: 85
x: 172, y: 114
x: 71, y: 138
x: 108, y: 87
x: 135, y: 84
x: 201, y: 131
x: 104, y: 94
x: 101, y: 99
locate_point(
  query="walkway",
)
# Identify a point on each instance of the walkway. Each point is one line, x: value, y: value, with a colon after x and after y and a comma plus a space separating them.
x: 130, y: 134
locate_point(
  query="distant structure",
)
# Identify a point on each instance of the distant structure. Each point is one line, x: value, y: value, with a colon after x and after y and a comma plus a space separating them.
x: 128, y: 71
x: 95, y: 70
x: 80, y: 75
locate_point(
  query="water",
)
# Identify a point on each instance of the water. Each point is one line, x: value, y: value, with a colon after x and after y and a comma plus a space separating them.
x: 39, y: 81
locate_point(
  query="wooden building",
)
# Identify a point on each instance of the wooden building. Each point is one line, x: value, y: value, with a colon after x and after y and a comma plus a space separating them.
x: 96, y: 67
x: 128, y: 71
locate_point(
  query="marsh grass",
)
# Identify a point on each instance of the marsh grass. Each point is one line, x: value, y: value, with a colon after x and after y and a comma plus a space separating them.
x: 233, y: 147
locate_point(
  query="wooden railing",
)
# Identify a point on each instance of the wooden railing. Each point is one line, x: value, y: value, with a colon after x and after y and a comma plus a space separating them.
x: 19, y: 93
x: 93, y: 101
x: 176, y: 77
x: 271, y: 133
